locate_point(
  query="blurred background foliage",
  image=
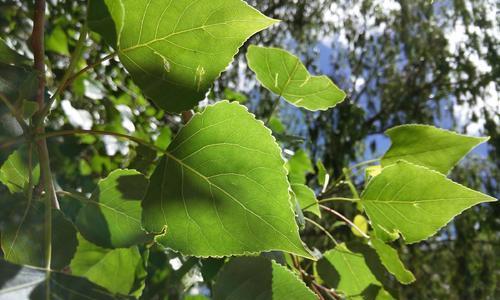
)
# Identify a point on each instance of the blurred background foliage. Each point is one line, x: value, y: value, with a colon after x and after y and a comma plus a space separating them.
x: 431, y: 62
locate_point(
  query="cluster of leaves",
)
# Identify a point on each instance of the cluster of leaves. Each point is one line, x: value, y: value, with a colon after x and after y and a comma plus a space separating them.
x: 220, y: 187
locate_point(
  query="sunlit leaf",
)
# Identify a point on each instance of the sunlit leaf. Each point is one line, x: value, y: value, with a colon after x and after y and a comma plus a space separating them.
x: 414, y: 201
x: 390, y: 259
x: 259, y: 278
x: 112, y: 217
x: 428, y: 146
x: 362, y: 223
x: 221, y: 188
x: 14, y: 173
x: 57, y: 41
x: 100, y: 266
x: 179, y: 47
x: 285, y: 75
x: 298, y: 166
x: 306, y: 198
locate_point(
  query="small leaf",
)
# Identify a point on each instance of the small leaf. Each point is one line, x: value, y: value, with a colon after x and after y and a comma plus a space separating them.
x: 221, y: 188
x: 178, y: 46
x: 390, y: 259
x: 259, y: 278
x: 100, y: 266
x: 284, y: 74
x: 323, y: 176
x: 14, y: 172
x: 428, y: 146
x: 57, y: 41
x: 347, y: 271
x: 21, y: 282
x: 306, y: 198
x: 298, y: 166
x: 232, y: 95
x: 117, y: 198
x: 23, y: 239
x: 414, y: 201
x: 362, y: 223
x: 276, y: 125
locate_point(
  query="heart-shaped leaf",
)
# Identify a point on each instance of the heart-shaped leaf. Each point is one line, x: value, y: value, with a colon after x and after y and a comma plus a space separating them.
x: 414, y: 201
x: 428, y: 146
x: 221, y: 188
x: 175, y: 49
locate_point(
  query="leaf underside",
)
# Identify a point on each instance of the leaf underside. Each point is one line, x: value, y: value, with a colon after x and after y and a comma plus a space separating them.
x: 179, y: 46
x: 221, y: 189
x: 428, y: 146
x: 414, y: 201
x: 285, y: 75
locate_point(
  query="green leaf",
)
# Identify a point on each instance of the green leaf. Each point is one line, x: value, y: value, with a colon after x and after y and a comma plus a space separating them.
x: 306, y: 198
x: 390, y: 259
x: 323, y: 176
x: 100, y: 21
x: 259, y: 278
x: 23, y: 239
x: 100, y: 266
x: 284, y: 74
x: 10, y: 56
x: 414, y: 201
x: 14, y: 172
x: 347, y: 271
x: 21, y: 282
x: 57, y: 41
x: 428, y: 146
x: 29, y: 108
x: 221, y: 188
x: 298, y: 166
x: 233, y: 95
x: 180, y: 46
x: 112, y: 218
x: 276, y: 125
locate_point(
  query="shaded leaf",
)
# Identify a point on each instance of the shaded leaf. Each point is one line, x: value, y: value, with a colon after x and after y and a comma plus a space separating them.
x: 23, y: 239
x: 10, y: 56
x: 21, y: 282
x: 221, y: 188
x: 285, y: 75
x: 346, y: 269
x: 414, y: 201
x: 390, y: 259
x: 100, y: 266
x: 112, y: 218
x: 258, y: 278
x: 428, y: 146
x: 179, y: 46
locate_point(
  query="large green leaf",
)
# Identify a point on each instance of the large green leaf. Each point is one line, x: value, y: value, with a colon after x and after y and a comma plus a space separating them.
x: 285, y: 75
x: 112, y: 217
x: 14, y: 172
x: 175, y: 49
x: 100, y: 265
x: 22, y: 234
x: 306, y: 198
x: 258, y: 278
x: 221, y: 188
x: 414, y: 201
x: 21, y: 282
x: 347, y: 270
x: 428, y: 146
x: 390, y: 259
